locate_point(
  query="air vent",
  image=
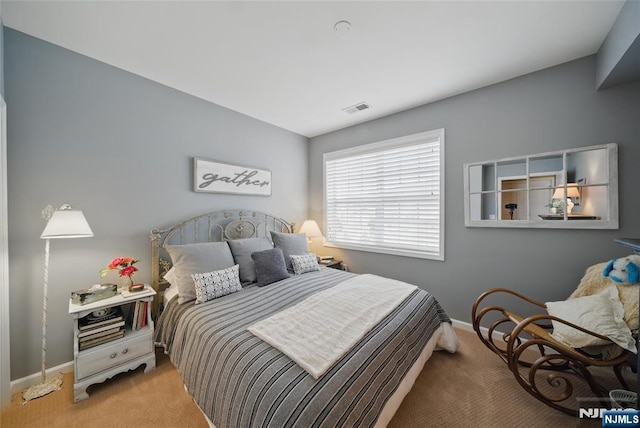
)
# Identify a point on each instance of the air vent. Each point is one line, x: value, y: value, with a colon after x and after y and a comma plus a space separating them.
x: 356, y: 108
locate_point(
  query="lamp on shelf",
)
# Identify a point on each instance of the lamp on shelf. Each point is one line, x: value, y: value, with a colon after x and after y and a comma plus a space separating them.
x: 62, y: 223
x: 572, y: 192
x: 311, y: 229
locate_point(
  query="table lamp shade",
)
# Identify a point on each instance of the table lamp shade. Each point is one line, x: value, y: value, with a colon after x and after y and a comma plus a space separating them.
x: 572, y: 192
x: 311, y: 229
x: 67, y: 223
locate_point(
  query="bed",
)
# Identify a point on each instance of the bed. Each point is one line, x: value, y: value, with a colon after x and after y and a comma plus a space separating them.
x: 239, y: 380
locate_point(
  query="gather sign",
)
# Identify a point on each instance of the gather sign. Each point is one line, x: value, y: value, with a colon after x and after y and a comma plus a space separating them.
x: 216, y: 177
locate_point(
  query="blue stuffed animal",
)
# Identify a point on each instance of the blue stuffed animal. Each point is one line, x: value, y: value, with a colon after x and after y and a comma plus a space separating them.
x: 624, y: 270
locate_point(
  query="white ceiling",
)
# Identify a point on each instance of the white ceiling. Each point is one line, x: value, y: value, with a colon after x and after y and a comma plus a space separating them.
x: 283, y: 63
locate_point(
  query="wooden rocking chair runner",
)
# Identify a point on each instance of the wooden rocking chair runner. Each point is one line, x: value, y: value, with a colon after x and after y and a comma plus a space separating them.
x: 562, y: 364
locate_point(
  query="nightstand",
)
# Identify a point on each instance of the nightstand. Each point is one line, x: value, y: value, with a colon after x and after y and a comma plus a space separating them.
x: 333, y: 264
x: 95, y: 363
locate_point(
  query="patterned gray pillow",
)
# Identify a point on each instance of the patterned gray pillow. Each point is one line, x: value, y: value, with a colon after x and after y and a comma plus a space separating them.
x: 270, y: 266
x: 304, y: 263
x: 212, y: 285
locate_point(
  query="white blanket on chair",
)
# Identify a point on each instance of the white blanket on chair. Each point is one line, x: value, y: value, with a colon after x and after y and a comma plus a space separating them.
x: 318, y: 331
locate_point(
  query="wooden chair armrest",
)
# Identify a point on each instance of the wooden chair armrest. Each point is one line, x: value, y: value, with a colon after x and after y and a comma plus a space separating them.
x: 487, y: 293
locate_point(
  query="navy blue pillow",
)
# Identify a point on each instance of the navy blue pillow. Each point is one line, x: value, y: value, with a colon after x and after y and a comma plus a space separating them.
x: 270, y: 266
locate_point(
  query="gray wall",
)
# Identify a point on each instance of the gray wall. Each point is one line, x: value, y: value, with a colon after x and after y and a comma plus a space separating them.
x: 619, y: 56
x: 553, y: 109
x: 119, y: 147
x: 1, y: 57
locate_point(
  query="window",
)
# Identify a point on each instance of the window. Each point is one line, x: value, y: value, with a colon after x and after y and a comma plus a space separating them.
x: 387, y: 197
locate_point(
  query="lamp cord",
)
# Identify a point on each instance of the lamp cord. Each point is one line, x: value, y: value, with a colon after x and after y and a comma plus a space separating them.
x: 44, y: 308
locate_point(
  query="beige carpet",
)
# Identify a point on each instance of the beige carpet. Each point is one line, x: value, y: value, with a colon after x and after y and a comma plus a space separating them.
x: 471, y: 388
x: 133, y: 399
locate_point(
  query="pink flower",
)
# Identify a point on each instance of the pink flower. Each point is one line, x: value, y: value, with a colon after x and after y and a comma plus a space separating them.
x: 116, y: 262
x: 125, y: 265
x: 128, y: 271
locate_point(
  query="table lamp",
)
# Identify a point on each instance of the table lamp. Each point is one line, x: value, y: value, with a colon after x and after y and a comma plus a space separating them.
x: 311, y: 229
x: 572, y: 192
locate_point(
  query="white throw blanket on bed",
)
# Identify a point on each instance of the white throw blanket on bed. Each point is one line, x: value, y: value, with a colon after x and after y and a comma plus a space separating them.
x: 318, y: 331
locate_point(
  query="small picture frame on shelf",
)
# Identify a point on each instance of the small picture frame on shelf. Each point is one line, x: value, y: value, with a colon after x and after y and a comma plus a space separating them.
x: 126, y: 293
x: 135, y: 288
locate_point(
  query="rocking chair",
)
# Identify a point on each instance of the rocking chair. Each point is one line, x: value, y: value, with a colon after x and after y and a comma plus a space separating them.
x: 548, y: 369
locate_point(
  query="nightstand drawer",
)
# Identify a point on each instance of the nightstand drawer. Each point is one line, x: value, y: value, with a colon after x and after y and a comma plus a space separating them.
x: 94, y: 361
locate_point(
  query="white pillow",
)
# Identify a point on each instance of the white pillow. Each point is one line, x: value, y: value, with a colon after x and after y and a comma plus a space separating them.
x: 171, y: 276
x: 601, y: 313
x: 212, y: 285
x: 304, y: 263
x: 169, y: 294
x: 172, y: 291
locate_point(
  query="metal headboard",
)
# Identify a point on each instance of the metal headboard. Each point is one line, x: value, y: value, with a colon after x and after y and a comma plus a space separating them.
x: 216, y: 226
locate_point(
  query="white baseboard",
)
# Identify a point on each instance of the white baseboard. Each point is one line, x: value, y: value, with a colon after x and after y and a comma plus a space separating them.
x: 463, y: 325
x: 497, y: 335
x: 27, y: 381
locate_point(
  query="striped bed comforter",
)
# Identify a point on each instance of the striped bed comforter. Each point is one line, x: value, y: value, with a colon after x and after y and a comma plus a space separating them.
x: 240, y: 381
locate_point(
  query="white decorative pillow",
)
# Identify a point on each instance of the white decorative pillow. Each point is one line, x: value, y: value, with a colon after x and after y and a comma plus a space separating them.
x: 304, y: 263
x: 212, y: 285
x: 601, y: 313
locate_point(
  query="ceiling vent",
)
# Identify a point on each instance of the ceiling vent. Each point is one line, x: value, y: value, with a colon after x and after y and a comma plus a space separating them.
x: 356, y: 108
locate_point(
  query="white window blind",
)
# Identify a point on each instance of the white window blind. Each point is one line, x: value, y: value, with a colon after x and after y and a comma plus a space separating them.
x: 387, y: 197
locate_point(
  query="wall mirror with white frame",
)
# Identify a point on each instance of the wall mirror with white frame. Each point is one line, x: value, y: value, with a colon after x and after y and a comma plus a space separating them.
x: 567, y: 189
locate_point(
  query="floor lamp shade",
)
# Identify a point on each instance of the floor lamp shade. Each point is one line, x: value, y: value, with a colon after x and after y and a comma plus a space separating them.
x: 67, y: 223
x: 63, y: 223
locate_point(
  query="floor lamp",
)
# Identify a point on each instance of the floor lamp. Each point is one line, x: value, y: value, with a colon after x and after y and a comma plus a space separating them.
x: 63, y: 223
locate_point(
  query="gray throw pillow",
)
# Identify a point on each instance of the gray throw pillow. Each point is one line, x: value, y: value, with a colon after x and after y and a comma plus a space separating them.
x: 197, y: 258
x: 270, y: 266
x: 291, y: 244
x: 242, y: 250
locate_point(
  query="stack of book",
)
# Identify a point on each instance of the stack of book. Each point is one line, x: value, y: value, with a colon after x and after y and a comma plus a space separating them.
x: 138, y: 316
x: 325, y: 260
x: 96, y: 329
